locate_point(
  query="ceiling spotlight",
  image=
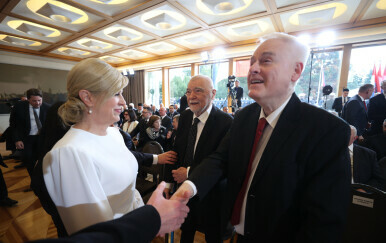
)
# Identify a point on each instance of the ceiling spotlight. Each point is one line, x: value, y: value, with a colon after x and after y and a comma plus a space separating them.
x: 73, y: 52
x: 93, y: 44
x: 124, y: 72
x: 163, y: 21
x: 58, y: 14
x: 122, y: 34
x: 131, y: 71
x: 223, y: 6
x: 34, y: 30
x: 325, y: 38
x: 18, y: 41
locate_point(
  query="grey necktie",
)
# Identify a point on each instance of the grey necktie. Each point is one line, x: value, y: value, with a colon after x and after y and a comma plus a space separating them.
x: 38, y: 123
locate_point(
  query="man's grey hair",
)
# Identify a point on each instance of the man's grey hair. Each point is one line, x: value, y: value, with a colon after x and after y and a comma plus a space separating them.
x: 301, y: 50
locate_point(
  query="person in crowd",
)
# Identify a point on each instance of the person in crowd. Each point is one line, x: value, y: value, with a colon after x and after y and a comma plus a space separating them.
x: 355, y: 110
x: 287, y: 162
x: 239, y: 93
x: 154, y: 132
x: 5, y: 201
x: 171, y: 135
x: 200, y: 130
x: 130, y: 121
x: 225, y: 109
x: 131, y: 107
x: 79, y: 169
x: 166, y: 121
x: 165, y: 215
x: 377, y: 111
x: 138, y: 113
x: 172, y: 111
x: 377, y: 142
x: 26, y: 120
x: 364, y: 164
x: 142, y: 125
x: 183, y: 104
x: 154, y: 110
x: 341, y: 101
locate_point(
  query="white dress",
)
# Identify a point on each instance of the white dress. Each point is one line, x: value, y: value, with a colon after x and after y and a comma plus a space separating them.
x: 91, y: 178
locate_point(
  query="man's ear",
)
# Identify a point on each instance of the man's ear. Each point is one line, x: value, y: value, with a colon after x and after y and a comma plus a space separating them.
x: 86, y: 97
x: 297, y: 71
x: 213, y: 93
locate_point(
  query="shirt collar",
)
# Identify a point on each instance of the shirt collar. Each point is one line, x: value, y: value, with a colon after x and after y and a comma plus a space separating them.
x: 361, y: 98
x: 351, y: 148
x: 31, y: 107
x: 274, y: 116
x: 204, y: 116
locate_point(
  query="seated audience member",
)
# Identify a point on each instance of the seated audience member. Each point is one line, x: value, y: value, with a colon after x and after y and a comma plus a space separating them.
x: 154, y: 110
x: 130, y: 121
x: 91, y: 154
x: 158, y: 217
x: 171, y: 135
x: 154, y: 132
x: 377, y: 111
x: 139, y: 110
x: 378, y: 142
x: 225, y: 109
x: 364, y: 164
x: 142, y: 124
x: 172, y: 111
x: 166, y: 121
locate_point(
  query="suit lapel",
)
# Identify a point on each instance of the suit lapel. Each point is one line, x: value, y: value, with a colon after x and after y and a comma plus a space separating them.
x: 286, y: 125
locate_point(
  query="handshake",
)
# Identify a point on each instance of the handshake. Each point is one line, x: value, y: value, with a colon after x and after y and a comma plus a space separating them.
x: 173, y: 211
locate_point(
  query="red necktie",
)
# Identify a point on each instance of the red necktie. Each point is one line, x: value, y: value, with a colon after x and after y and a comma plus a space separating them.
x: 364, y: 102
x: 235, y: 220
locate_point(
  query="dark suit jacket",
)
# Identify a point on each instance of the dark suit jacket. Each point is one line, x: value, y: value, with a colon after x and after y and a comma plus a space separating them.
x: 377, y: 143
x: 239, y: 92
x: 166, y: 122
x: 337, y: 105
x: 366, y: 169
x: 377, y: 113
x: 140, y: 225
x: 140, y: 128
x: 355, y: 114
x: 20, y: 120
x: 300, y: 191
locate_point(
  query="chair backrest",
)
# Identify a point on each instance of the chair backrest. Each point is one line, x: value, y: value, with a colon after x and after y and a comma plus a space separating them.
x: 152, y: 147
x: 382, y: 166
x: 366, y: 216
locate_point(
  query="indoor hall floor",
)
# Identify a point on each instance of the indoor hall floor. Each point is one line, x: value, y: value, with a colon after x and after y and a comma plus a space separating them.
x: 27, y: 220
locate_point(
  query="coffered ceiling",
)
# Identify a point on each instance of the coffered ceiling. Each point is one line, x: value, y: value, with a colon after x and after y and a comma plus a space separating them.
x: 124, y: 32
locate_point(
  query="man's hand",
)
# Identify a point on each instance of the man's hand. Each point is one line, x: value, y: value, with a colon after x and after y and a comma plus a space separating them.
x: 180, y: 174
x: 183, y: 194
x: 172, y: 212
x: 135, y: 142
x: 19, y: 145
x: 169, y: 157
x: 169, y: 135
x: 361, y: 138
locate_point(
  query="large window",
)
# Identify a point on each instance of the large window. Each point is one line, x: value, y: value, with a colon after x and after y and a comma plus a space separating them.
x: 363, y: 61
x: 219, y: 73
x: 325, y: 71
x: 178, y: 80
x: 153, y: 87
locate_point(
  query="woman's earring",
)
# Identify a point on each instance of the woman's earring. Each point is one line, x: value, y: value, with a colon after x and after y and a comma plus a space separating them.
x: 89, y: 111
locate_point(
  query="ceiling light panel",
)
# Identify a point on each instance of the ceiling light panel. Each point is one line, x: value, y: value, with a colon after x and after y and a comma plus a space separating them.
x: 110, y: 7
x: 132, y: 54
x: 247, y: 30
x: 112, y: 59
x: 285, y: 3
x: 56, y: 13
x: 160, y: 48
x: 73, y: 52
x: 32, y: 30
x: 319, y: 16
x: 198, y: 40
x: 93, y: 45
x: 163, y: 21
x: 10, y: 40
x: 377, y: 9
x: 215, y: 11
x: 123, y: 35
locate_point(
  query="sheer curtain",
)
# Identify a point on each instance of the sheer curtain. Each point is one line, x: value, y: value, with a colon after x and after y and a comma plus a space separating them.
x: 135, y: 91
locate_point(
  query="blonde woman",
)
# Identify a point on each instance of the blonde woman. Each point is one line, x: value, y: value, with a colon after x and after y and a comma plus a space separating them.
x: 89, y: 173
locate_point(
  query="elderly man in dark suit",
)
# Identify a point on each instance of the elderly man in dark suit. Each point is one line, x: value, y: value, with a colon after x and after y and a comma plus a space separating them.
x: 377, y: 111
x: 355, y: 110
x: 26, y: 120
x: 364, y: 164
x: 166, y: 121
x: 286, y: 162
x: 200, y: 130
x: 341, y: 101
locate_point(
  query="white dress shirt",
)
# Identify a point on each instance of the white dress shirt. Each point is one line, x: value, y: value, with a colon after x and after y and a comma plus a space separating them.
x: 34, y: 127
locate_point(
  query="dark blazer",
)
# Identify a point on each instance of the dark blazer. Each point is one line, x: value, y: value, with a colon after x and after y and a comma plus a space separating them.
x: 354, y: 112
x: 140, y: 225
x: 20, y: 120
x: 183, y: 104
x: 166, y: 122
x: 377, y: 113
x: 300, y: 191
x: 337, y: 105
x: 140, y: 128
x: 366, y: 169
x: 377, y: 143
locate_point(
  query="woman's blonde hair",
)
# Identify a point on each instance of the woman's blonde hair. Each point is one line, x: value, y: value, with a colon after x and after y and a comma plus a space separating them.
x: 94, y: 75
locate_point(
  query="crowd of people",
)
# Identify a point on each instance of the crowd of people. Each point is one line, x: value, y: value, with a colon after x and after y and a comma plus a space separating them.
x: 268, y: 172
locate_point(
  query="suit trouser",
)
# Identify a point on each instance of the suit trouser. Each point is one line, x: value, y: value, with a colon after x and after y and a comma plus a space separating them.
x: 31, y: 152
x: 3, y: 187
